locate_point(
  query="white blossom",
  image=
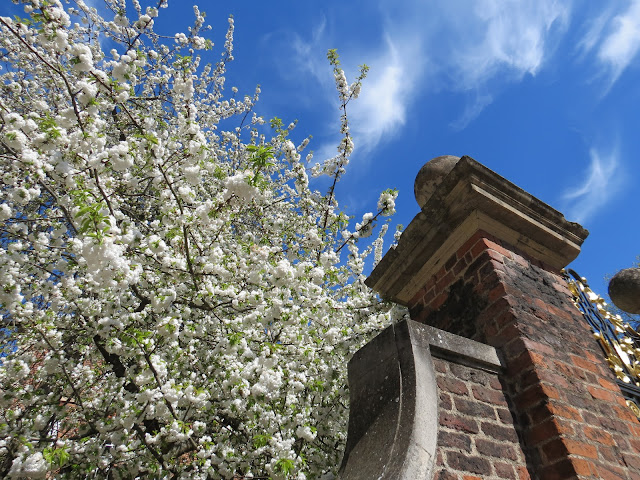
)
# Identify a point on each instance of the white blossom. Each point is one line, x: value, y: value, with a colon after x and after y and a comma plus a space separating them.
x: 177, y: 292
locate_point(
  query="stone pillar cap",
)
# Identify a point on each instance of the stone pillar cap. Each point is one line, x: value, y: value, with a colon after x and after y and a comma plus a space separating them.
x: 431, y: 175
x: 469, y: 198
x: 624, y: 290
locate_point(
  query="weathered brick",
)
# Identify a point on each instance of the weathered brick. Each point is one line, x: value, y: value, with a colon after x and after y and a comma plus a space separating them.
x: 602, y: 394
x: 468, y: 463
x: 487, y: 395
x: 452, y: 385
x: 440, y: 366
x: 611, y: 473
x: 505, y: 415
x: 474, y: 408
x: 523, y: 473
x: 445, y: 401
x: 498, y: 432
x: 562, y: 470
x: 536, y: 394
x: 505, y: 470
x: 460, y: 441
x: 445, y: 474
x: 560, y: 448
x: 495, y: 449
x: 598, y: 435
x: 459, y: 423
x: 549, y: 429
x: 449, y: 264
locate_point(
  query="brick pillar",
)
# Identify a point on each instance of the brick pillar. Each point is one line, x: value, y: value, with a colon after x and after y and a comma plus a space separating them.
x: 483, y: 260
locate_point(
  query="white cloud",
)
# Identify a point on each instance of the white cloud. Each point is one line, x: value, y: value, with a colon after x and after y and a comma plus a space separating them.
x: 461, y: 46
x: 600, y: 184
x: 506, y: 38
x: 616, y: 40
x: 381, y: 110
x: 472, y: 46
x: 623, y: 42
x: 472, y: 110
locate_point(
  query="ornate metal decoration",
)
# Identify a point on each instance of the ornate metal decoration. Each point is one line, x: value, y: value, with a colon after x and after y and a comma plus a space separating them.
x: 619, y: 340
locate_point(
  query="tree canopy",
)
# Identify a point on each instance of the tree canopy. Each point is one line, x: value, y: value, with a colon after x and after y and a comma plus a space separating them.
x: 180, y: 302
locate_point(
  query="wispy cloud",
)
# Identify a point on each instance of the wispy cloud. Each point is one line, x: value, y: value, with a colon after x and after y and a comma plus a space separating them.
x: 490, y: 44
x: 472, y: 110
x: 381, y: 110
x: 474, y: 48
x: 469, y: 47
x: 599, y: 185
x: 615, y: 37
x: 512, y: 38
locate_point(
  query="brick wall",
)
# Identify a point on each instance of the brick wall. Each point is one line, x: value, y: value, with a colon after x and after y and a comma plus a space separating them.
x: 477, y: 437
x: 570, y: 414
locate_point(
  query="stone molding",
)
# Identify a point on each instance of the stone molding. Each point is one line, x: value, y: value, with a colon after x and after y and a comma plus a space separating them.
x: 471, y: 198
x: 393, y: 420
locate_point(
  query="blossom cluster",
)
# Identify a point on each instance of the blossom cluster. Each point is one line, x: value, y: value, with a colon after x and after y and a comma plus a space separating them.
x: 179, y: 301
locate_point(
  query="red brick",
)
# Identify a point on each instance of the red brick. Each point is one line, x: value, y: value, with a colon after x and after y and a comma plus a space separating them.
x: 449, y: 264
x: 467, y: 246
x: 625, y: 413
x: 494, y: 255
x: 610, y: 454
x: 468, y: 463
x: 609, y: 385
x: 539, y: 347
x: 602, y: 394
x: 498, y: 432
x: 459, y: 267
x: 438, y: 301
x: 524, y: 361
x: 523, y: 474
x: 459, y: 423
x: 549, y: 429
x: 562, y: 470
x: 452, y: 385
x: 446, y: 475
x: 487, y: 395
x: 494, y: 449
x: 543, y: 412
x: 497, y: 292
x: 418, y: 297
x: 498, y: 248
x: 444, y: 282
x: 457, y: 440
x: 580, y: 448
x: 536, y: 394
x: 428, y: 296
x: 505, y: 470
x: 478, y: 248
x: 632, y: 461
x: 561, y: 312
x: 584, y: 467
x: 598, y: 435
x: 611, y: 473
x: 583, y: 363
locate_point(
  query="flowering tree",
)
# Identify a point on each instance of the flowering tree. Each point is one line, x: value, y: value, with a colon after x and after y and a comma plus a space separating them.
x: 180, y: 303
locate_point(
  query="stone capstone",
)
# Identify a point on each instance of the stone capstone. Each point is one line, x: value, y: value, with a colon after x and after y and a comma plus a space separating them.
x: 431, y: 175
x: 393, y: 388
x: 468, y: 199
x: 624, y: 290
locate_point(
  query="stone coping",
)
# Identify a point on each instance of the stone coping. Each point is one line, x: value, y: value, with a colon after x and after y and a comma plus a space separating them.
x: 457, y: 349
x: 393, y: 418
x: 471, y: 198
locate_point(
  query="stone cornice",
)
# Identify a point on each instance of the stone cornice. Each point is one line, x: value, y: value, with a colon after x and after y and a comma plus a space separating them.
x: 471, y: 198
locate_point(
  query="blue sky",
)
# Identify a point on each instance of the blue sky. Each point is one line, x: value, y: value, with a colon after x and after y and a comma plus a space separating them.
x: 545, y: 93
